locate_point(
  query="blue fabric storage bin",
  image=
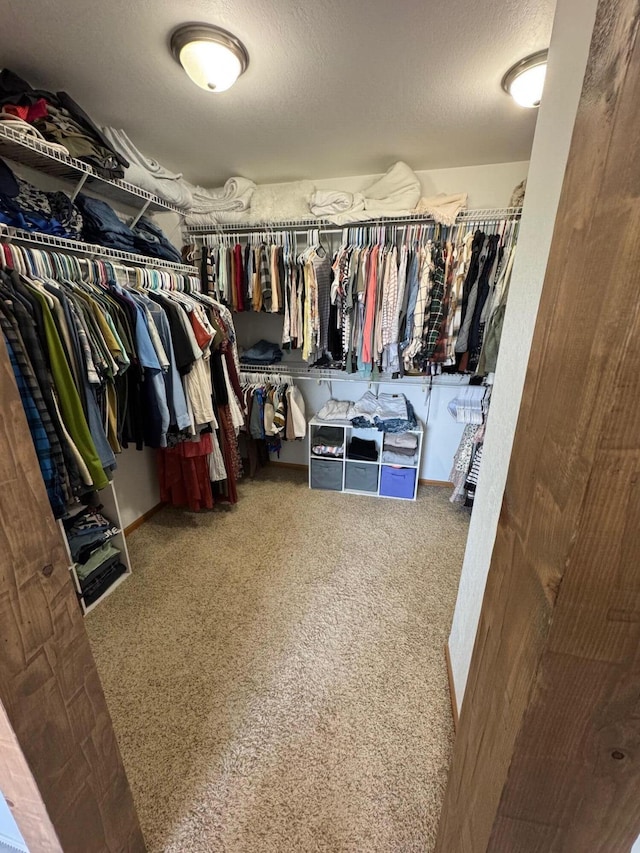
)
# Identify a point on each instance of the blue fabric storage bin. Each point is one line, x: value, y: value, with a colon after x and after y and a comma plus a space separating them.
x: 397, y: 482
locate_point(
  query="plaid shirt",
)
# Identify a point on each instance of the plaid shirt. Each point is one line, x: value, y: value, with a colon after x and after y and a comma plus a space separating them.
x: 436, y: 306
x: 38, y: 432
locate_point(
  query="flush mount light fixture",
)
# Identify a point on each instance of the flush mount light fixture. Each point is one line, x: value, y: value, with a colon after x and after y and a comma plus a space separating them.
x: 212, y: 57
x: 524, y: 81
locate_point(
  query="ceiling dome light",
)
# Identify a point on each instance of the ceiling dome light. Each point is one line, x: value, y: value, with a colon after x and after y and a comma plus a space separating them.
x: 212, y: 57
x: 525, y: 80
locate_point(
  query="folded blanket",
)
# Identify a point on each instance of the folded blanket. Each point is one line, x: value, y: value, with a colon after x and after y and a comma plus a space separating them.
x: 147, y: 173
x: 398, y: 189
x: 269, y: 203
x: 443, y: 208
x: 123, y: 145
x: 396, y: 192
x: 234, y: 195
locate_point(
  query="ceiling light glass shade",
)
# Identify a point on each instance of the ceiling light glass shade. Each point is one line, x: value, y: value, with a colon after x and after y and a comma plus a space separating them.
x: 525, y: 80
x: 212, y: 58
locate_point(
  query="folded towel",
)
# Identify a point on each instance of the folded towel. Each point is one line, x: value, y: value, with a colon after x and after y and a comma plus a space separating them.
x: 442, y: 207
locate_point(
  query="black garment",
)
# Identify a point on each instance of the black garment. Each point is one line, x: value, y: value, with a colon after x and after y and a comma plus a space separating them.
x: 181, y: 343
x: 366, y: 450
x: 483, y: 290
x: 472, y: 272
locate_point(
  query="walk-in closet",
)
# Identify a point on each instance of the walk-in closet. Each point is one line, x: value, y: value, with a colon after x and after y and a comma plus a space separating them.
x: 267, y: 291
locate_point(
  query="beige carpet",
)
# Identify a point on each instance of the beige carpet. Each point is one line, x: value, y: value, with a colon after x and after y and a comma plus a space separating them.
x: 276, y: 673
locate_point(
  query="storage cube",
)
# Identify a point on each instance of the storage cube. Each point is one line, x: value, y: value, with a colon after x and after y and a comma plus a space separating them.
x: 397, y: 482
x: 361, y: 477
x: 326, y: 474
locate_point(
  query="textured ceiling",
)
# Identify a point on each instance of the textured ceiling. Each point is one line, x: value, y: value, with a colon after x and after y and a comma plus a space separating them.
x: 334, y: 87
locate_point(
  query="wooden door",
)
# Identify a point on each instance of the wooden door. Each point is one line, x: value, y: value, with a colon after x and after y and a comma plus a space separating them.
x: 548, y: 751
x: 49, y: 685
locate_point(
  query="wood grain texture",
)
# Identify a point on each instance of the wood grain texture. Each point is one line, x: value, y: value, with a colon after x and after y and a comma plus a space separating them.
x: 22, y: 795
x: 49, y: 684
x: 547, y: 757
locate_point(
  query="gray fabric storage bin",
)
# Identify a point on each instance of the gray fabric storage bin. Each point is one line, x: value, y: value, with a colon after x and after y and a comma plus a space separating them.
x: 361, y: 477
x: 326, y: 474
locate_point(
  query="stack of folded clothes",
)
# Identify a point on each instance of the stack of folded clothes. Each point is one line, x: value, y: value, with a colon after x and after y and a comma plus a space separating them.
x: 400, y: 449
x: 328, y: 441
x: 103, y: 226
x: 97, y: 560
x: 61, y: 121
x: 24, y: 206
x: 386, y: 412
x: 364, y: 450
x: 151, y: 241
x: 264, y: 352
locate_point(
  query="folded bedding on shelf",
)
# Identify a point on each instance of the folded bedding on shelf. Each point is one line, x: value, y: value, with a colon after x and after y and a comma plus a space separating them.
x: 396, y: 192
x: 235, y: 195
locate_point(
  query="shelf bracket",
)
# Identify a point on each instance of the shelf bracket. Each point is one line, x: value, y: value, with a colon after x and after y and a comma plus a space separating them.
x: 140, y: 214
x: 79, y: 186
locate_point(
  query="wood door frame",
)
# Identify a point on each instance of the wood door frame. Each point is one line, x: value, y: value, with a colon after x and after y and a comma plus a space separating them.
x: 547, y: 756
x: 49, y: 684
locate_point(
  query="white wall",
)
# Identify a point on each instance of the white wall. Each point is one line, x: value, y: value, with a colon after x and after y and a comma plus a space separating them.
x: 567, y: 61
x: 136, y: 483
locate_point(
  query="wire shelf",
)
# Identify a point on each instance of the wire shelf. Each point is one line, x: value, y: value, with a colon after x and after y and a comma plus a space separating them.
x: 297, y: 371
x: 89, y: 250
x: 479, y: 215
x: 37, y: 154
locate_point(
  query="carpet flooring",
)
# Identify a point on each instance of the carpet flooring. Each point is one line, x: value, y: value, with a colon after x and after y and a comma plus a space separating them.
x: 276, y: 674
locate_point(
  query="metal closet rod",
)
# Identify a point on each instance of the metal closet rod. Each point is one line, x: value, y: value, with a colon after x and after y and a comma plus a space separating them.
x: 337, y: 376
